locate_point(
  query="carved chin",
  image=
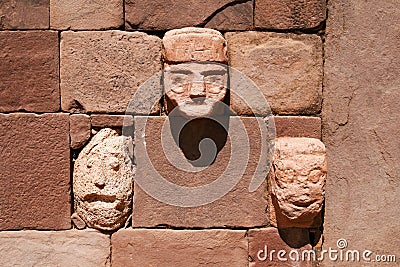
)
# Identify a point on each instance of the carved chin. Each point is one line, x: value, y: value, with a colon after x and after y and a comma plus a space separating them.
x: 104, y: 215
x: 196, y: 110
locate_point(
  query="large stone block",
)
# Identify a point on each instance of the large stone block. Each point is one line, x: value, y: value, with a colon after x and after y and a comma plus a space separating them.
x: 280, y: 248
x: 360, y: 126
x: 62, y: 248
x: 289, y: 14
x: 35, y: 171
x: 158, y: 157
x: 287, y: 68
x: 86, y: 15
x: 101, y: 71
x: 152, y: 247
x: 166, y: 15
x: 29, y: 71
x: 16, y: 14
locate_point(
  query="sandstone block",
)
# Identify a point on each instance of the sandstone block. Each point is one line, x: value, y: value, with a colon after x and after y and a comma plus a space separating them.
x: 156, y: 156
x: 102, y: 182
x: 194, y: 44
x: 265, y: 244
x: 287, y: 68
x: 289, y: 14
x: 137, y: 247
x: 86, y: 15
x: 103, y: 120
x: 360, y: 117
x: 298, y: 126
x: 22, y: 15
x: 233, y: 17
x: 36, y: 158
x: 47, y: 248
x: 101, y: 71
x: 166, y: 15
x: 79, y: 130
x: 29, y: 83
x: 297, y: 182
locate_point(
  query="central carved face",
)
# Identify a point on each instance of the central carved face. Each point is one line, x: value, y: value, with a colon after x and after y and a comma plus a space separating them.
x: 196, y: 89
x: 103, y: 178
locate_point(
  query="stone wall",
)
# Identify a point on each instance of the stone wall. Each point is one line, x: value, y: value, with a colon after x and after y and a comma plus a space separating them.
x: 69, y: 68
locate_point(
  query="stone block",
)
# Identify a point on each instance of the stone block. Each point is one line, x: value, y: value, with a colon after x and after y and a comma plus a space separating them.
x: 103, y: 120
x: 61, y: 248
x: 289, y: 14
x: 101, y: 71
x: 24, y: 15
x: 86, y: 15
x: 35, y: 191
x: 29, y: 71
x: 163, y: 247
x: 280, y: 248
x: 287, y: 68
x: 298, y: 126
x: 79, y: 130
x: 156, y: 156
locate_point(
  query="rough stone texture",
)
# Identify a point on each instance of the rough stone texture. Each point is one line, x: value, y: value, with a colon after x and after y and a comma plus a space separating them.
x: 287, y: 68
x: 297, y: 183
x: 166, y: 15
x: 238, y: 208
x: 103, y: 177
x: 35, y: 171
x: 29, y: 82
x: 233, y: 18
x: 361, y: 129
x: 79, y: 130
x: 86, y: 15
x: 103, y: 120
x: 62, y: 248
x: 16, y: 14
x: 143, y: 247
x: 289, y: 14
x: 269, y: 239
x: 297, y: 126
x: 101, y: 71
x: 194, y: 44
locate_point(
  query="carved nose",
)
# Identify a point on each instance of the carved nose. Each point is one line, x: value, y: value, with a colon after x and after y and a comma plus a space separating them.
x: 197, y: 90
x: 100, y: 184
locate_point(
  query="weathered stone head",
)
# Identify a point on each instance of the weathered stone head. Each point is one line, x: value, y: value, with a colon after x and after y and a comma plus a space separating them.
x: 298, y: 181
x: 102, y: 185
x: 195, y: 75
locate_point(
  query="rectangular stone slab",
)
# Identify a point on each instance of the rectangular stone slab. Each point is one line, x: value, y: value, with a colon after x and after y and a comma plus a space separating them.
x: 170, y: 248
x: 238, y: 208
x: 48, y: 248
x: 35, y: 171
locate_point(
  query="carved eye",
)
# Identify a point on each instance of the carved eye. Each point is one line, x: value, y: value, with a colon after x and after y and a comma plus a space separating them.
x: 177, y: 89
x: 114, y: 164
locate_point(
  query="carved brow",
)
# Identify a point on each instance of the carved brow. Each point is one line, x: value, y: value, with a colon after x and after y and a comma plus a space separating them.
x: 213, y: 72
x: 185, y: 72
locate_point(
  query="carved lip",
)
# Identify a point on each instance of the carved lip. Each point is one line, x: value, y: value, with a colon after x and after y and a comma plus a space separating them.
x: 99, y: 197
x: 303, y: 204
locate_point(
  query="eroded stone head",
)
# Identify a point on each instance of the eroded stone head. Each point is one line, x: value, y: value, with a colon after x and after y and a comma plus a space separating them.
x: 195, y: 76
x: 103, y: 177
x: 298, y: 182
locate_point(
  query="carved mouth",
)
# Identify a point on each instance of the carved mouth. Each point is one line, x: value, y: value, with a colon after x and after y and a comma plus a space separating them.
x: 101, y: 198
x: 303, y: 204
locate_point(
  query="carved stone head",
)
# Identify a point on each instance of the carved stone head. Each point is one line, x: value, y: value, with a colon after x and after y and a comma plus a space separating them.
x: 195, y: 80
x: 298, y: 183
x: 103, y: 177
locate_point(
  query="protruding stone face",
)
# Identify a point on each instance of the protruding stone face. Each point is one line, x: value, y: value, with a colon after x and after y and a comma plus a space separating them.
x: 103, y: 177
x: 299, y: 181
x: 196, y: 89
x: 194, y: 44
